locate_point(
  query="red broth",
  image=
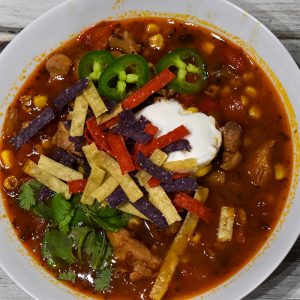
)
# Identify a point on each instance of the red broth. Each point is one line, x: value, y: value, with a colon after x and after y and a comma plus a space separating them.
x: 237, y: 90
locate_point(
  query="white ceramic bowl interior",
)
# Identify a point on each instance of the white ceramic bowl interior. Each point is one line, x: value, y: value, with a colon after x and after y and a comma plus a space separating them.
x: 69, y: 18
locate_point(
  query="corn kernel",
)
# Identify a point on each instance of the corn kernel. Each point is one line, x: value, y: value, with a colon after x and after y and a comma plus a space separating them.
x: 46, y: 144
x: 254, y: 112
x: 208, y: 48
x: 40, y: 101
x: 10, y: 182
x: 244, y: 100
x: 279, y: 171
x: 152, y: 28
x: 202, y: 171
x: 195, y: 239
x: 7, y: 158
x: 248, y: 76
x: 156, y: 41
x: 192, y: 109
x: 212, y: 90
x: 225, y: 91
x: 250, y: 91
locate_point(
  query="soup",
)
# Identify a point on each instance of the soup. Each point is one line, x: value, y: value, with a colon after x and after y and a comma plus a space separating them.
x: 141, y: 160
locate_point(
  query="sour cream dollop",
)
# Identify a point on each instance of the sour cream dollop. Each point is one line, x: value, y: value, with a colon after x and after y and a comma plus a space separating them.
x: 205, y: 139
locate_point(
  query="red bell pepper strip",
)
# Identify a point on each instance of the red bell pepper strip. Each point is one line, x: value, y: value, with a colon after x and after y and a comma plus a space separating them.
x: 152, y: 86
x: 120, y: 152
x: 165, y: 140
x: 194, y: 206
x: 77, y: 186
x: 99, y: 137
x: 110, y: 123
x: 87, y: 136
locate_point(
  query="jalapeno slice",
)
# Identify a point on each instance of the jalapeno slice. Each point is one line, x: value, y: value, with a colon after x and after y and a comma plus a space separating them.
x: 127, y: 71
x: 189, y: 67
x: 93, y: 63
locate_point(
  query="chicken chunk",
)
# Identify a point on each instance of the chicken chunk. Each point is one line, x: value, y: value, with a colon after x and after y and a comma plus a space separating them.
x: 260, y: 169
x: 232, y: 136
x: 61, y: 139
x: 230, y: 160
x: 143, y: 263
x: 123, y: 41
x: 58, y: 65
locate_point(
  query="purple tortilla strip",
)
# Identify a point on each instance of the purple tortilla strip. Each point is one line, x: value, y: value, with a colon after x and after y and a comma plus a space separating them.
x: 44, y: 194
x: 187, y: 184
x: 133, y: 133
x: 87, y: 168
x: 77, y: 141
x: 110, y: 105
x: 142, y: 122
x: 117, y: 197
x: 38, y: 123
x: 153, y: 169
x: 181, y: 145
x: 64, y: 157
x: 69, y: 94
x: 127, y: 118
x: 151, y: 212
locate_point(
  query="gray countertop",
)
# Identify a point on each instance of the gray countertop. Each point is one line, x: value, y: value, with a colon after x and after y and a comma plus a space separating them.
x: 282, y: 17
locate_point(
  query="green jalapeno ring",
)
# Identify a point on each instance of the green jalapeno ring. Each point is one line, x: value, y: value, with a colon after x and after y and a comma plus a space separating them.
x: 114, y: 80
x: 93, y: 63
x: 177, y: 59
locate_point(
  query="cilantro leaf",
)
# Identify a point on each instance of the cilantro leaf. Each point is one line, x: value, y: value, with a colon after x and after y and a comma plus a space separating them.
x: 62, y: 212
x: 43, y: 211
x: 57, y: 246
x: 79, y: 234
x: 27, y: 193
x: 95, y: 247
x: 102, y: 282
x: 68, y: 276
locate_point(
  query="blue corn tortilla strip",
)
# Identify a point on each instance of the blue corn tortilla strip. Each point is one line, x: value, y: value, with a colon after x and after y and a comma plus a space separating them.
x: 64, y: 157
x: 134, y: 133
x: 110, y: 105
x: 187, y: 184
x: 117, y: 198
x: 142, y: 122
x: 78, y: 142
x: 127, y: 118
x: 69, y: 94
x: 181, y: 145
x: 38, y: 123
x: 150, y: 167
x: 151, y: 212
x: 44, y: 194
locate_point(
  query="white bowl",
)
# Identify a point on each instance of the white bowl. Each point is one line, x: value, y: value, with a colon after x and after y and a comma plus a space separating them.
x: 69, y: 18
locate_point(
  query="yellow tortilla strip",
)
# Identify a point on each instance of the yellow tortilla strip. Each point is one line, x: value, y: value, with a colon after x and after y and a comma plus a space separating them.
x: 159, y: 198
x: 52, y: 182
x: 95, y: 179
x: 95, y: 101
x: 105, y: 161
x: 226, y: 222
x: 130, y: 209
x: 158, y: 157
x: 106, y: 117
x: 181, y: 166
x: 57, y: 169
x: 105, y: 189
x: 78, y: 116
x: 90, y: 151
x: 176, y: 250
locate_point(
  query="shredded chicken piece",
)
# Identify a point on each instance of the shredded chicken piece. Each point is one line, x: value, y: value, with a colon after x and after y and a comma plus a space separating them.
x: 61, y: 139
x: 58, y: 65
x: 259, y: 165
x: 232, y: 136
x: 230, y: 160
x: 123, y: 41
x: 127, y: 248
